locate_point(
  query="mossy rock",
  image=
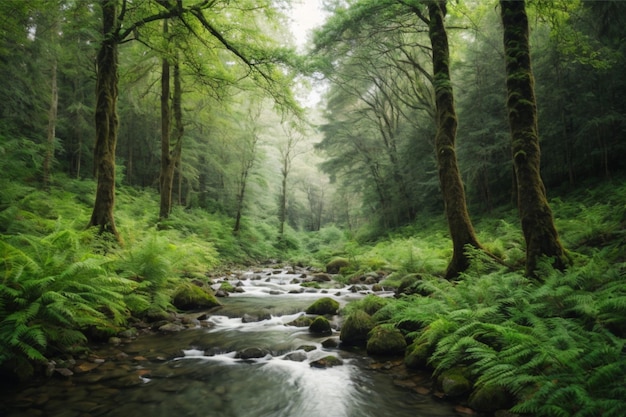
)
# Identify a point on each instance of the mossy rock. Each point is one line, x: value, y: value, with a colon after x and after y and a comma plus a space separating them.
x: 407, y: 284
x: 416, y: 355
x: 320, y: 325
x: 302, y: 321
x: 327, y: 362
x: 383, y: 340
x: 453, y: 383
x: 356, y: 328
x: 489, y: 398
x: 334, y: 266
x: 192, y: 297
x: 324, y: 305
x: 227, y: 287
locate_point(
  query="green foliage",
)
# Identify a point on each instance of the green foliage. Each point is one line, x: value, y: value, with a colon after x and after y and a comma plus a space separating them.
x: 151, y: 264
x: 556, y: 347
x: 52, y: 290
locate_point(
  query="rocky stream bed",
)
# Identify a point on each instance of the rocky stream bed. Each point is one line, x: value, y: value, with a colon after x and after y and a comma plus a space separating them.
x: 250, y: 357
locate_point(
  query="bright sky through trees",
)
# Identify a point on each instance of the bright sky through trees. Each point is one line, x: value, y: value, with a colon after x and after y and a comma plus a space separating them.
x: 305, y: 15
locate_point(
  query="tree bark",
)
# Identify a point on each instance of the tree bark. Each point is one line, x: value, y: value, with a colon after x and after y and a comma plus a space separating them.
x: 170, y: 147
x: 52, y: 121
x: 106, y: 121
x: 459, y: 223
x: 536, y: 216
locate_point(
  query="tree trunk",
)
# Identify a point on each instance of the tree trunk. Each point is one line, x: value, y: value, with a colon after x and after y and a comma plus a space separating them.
x: 164, y: 180
x: 106, y: 122
x: 52, y: 120
x: 459, y: 223
x: 170, y: 147
x: 535, y: 213
x: 282, y: 210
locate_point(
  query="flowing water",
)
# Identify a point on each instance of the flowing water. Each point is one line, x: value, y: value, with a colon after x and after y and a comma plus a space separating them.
x: 196, y: 372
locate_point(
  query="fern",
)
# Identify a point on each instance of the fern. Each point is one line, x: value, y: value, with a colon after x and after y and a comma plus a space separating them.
x: 51, y: 291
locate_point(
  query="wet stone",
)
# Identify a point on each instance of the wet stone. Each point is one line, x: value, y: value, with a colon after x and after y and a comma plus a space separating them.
x: 297, y: 356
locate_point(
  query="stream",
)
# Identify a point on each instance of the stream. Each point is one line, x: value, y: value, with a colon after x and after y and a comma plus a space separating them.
x: 201, y: 370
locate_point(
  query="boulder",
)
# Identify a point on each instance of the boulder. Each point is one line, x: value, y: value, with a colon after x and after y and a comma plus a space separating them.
x: 489, y: 398
x: 297, y: 356
x: 302, y: 321
x: 327, y: 362
x: 251, y: 353
x: 334, y: 266
x: 171, y: 328
x: 356, y: 328
x: 321, y: 277
x: 192, y: 297
x: 320, y: 325
x: 416, y: 355
x: 325, y: 305
x: 453, y: 383
x: 383, y: 340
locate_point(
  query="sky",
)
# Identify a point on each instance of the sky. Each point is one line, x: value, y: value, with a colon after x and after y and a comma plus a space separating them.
x: 306, y: 15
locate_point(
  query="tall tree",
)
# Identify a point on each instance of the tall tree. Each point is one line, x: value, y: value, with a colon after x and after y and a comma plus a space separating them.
x: 459, y: 223
x: 106, y: 120
x: 536, y: 216
x: 247, y: 157
x: 171, y: 139
x: 288, y: 149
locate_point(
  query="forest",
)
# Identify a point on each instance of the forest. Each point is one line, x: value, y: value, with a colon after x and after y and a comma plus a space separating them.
x: 471, y: 152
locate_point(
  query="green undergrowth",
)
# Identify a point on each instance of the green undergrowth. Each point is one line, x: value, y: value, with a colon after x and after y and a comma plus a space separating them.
x: 556, y: 346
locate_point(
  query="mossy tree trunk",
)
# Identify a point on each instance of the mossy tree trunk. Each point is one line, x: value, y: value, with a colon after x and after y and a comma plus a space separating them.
x: 164, y: 181
x: 106, y: 121
x: 171, y: 140
x: 459, y: 223
x: 536, y: 216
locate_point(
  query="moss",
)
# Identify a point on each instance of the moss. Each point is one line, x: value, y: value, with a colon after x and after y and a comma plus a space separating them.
x: 416, y: 355
x: 453, y: 382
x: 327, y: 362
x: 324, y: 305
x: 227, y: 287
x: 489, y: 398
x: 320, y: 325
x: 356, y: 328
x: 334, y: 266
x: 302, y: 321
x: 191, y: 297
x: 383, y: 340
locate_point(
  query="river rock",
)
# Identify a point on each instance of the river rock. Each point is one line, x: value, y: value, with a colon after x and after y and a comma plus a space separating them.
x: 489, y: 398
x: 453, y: 383
x: 321, y: 277
x: 64, y: 372
x: 356, y: 328
x: 297, y: 356
x: 325, y: 305
x: 385, y: 341
x: 192, y: 297
x: 416, y: 355
x: 320, y: 325
x: 171, y: 328
x: 334, y: 266
x: 330, y: 343
x: 251, y: 353
x: 302, y: 321
x: 327, y: 362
